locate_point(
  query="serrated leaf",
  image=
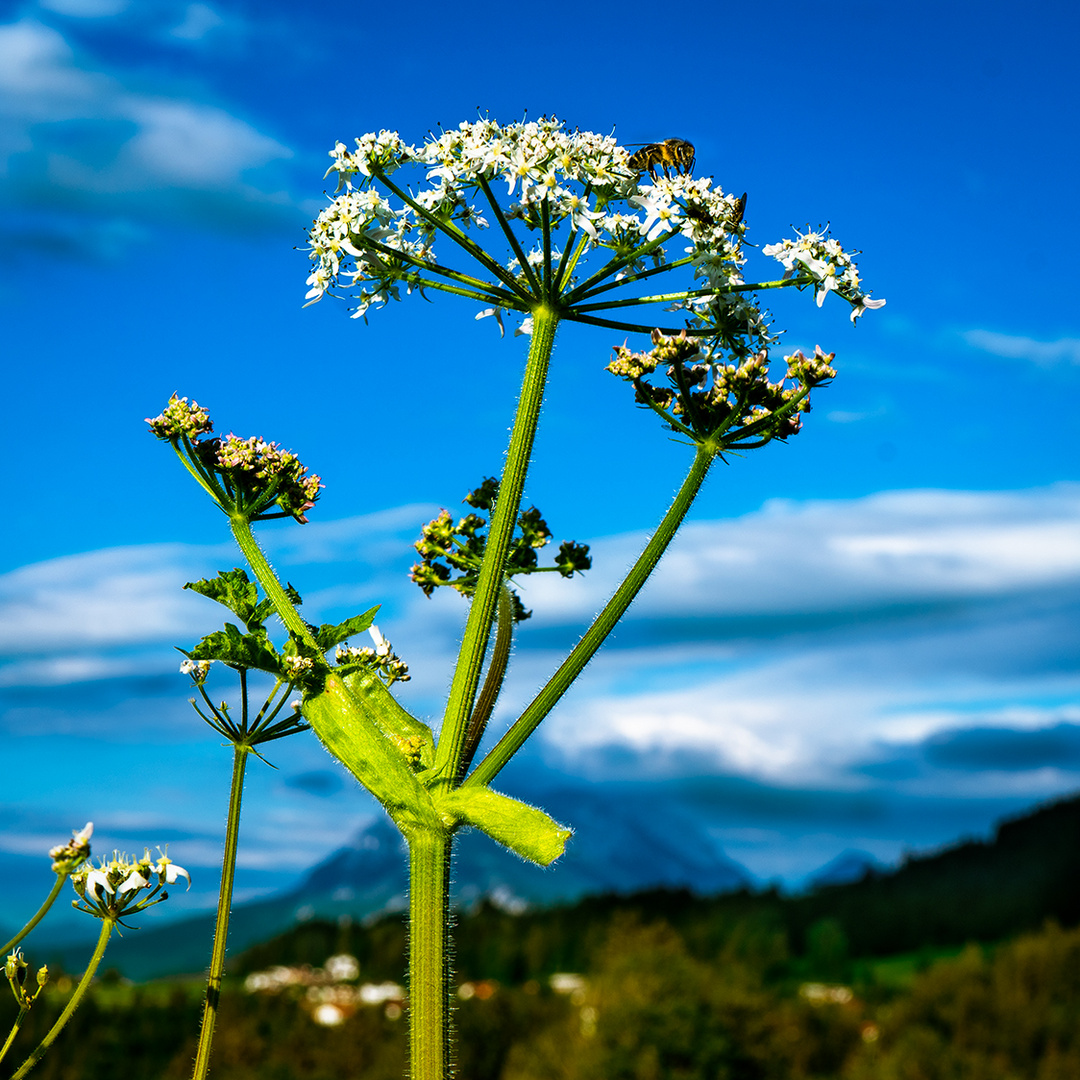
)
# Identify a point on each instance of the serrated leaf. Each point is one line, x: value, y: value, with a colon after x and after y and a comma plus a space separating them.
x: 236, y: 591
x: 328, y: 635
x: 253, y: 651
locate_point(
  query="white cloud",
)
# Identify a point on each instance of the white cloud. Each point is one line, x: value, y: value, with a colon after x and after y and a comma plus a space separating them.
x: 802, y: 703
x: 1043, y: 353
x: 97, y: 144
x: 888, y: 548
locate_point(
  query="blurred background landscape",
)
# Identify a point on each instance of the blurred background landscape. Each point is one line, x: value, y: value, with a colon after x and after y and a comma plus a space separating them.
x: 860, y: 653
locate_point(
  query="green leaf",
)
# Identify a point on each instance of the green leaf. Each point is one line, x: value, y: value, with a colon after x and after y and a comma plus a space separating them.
x: 253, y: 651
x: 328, y: 635
x: 236, y: 591
x: 524, y: 829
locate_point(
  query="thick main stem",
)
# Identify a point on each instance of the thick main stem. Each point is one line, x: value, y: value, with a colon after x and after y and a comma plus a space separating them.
x: 73, y: 1001
x: 429, y: 990
x: 604, y: 623
x: 224, y: 908
x: 482, y: 609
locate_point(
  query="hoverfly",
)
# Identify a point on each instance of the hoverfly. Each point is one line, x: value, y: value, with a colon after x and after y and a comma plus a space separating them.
x: 732, y: 220
x: 677, y: 154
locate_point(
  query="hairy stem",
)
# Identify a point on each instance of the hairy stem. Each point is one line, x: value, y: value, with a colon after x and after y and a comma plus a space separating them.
x: 604, y: 623
x: 496, y: 673
x: 23, y: 1010
x: 73, y: 1002
x: 429, y: 992
x: 264, y: 572
x: 482, y: 610
x: 224, y: 908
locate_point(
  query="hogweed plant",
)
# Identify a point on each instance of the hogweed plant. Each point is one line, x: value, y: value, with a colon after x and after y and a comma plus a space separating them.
x: 544, y: 225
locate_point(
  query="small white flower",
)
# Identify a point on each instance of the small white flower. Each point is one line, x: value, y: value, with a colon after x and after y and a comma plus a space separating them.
x: 172, y: 871
x: 497, y: 313
x: 133, y: 881
x: 96, y: 881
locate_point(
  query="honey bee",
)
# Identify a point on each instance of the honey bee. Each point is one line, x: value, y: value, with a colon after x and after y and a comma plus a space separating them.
x: 671, y: 154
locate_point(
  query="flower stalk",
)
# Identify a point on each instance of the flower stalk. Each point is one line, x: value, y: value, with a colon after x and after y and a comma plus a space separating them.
x: 224, y: 909
x: 107, y: 925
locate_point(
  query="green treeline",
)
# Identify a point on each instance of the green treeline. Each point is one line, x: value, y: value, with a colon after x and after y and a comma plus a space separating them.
x: 650, y: 1005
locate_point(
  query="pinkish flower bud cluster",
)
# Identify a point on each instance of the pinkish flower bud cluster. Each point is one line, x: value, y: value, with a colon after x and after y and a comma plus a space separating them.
x: 246, y: 476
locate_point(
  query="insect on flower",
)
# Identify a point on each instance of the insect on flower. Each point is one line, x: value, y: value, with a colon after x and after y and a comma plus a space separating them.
x: 671, y: 154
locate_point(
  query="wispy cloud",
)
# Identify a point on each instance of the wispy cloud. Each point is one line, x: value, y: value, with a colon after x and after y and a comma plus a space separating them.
x: 82, y: 140
x: 1043, y: 353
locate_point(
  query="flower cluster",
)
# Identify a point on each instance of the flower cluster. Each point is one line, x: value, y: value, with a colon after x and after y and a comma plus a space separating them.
x: 181, y: 420
x: 381, y: 658
x: 121, y: 886
x: 246, y: 475
x: 830, y: 267
x: 577, y: 181
x: 68, y: 857
x: 258, y: 473
x: 734, y: 406
x: 197, y: 669
x: 447, y: 549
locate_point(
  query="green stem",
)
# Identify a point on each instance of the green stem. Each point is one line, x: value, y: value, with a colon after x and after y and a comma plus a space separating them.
x: 641, y: 275
x: 429, y: 992
x: 414, y: 279
x: 511, y: 236
x: 496, y: 673
x: 264, y: 572
x: 73, y: 1002
x: 221, y: 928
x: 449, y: 229
x: 23, y: 1010
x: 604, y: 623
x: 442, y: 271
x: 41, y: 913
x: 614, y: 265
x: 639, y: 328
x: 482, y: 610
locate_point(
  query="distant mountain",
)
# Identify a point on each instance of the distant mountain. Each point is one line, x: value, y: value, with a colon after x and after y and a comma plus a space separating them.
x: 617, y: 848
x: 847, y: 867
x: 642, y: 857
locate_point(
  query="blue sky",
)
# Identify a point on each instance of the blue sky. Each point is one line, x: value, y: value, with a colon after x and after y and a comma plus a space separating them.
x: 867, y: 638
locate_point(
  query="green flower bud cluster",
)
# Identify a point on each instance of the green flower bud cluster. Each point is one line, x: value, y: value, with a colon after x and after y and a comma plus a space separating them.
x: 15, y: 969
x: 70, y: 856
x: 735, y: 406
x: 245, y: 476
x: 451, y: 553
x: 121, y: 886
x: 181, y: 420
